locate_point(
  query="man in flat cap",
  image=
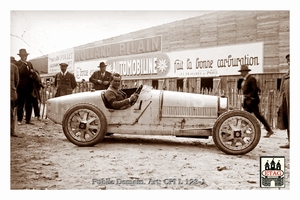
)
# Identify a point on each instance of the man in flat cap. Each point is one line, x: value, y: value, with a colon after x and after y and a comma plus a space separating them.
x: 25, y: 87
x: 64, y: 81
x: 101, y: 78
x: 251, y: 98
x: 283, y: 120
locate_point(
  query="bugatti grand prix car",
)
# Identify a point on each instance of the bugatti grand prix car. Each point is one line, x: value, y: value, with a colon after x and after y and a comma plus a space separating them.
x: 87, y: 117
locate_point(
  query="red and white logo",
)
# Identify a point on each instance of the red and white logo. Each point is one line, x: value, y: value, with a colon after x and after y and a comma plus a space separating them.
x: 272, y: 171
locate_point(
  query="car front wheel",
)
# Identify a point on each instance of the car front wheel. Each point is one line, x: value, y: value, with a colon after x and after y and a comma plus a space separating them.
x: 236, y: 132
x: 84, y: 125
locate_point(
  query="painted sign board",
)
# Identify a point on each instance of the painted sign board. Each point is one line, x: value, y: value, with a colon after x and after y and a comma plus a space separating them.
x: 202, y: 62
x: 125, y: 48
x: 65, y: 56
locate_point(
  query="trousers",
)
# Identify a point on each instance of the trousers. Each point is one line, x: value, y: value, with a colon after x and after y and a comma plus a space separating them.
x: 253, y: 108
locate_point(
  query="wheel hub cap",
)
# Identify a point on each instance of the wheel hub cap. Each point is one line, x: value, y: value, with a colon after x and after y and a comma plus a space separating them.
x: 82, y: 125
x: 237, y: 134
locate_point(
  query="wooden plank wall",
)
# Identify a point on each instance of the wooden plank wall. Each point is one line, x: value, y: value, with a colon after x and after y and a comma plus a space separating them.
x: 226, y: 28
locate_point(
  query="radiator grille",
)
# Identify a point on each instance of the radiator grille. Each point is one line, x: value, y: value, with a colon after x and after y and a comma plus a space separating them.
x: 189, y: 111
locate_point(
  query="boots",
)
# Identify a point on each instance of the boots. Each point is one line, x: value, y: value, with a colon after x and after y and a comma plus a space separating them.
x: 287, y: 146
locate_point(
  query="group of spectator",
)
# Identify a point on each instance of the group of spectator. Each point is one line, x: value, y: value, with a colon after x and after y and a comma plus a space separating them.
x: 25, y: 87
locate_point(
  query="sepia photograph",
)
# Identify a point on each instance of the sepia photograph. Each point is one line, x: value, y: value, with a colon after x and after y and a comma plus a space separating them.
x: 151, y: 100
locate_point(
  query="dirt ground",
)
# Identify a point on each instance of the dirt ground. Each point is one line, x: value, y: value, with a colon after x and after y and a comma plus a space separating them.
x: 42, y: 158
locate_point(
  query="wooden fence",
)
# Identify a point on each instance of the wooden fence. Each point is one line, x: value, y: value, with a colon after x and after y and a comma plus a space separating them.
x: 268, y: 102
x: 268, y: 99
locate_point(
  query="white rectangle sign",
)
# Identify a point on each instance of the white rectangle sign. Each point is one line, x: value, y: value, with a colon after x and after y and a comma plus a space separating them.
x: 65, y: 56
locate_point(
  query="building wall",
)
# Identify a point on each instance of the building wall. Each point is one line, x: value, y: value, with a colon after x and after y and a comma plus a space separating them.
x: 224, y: 28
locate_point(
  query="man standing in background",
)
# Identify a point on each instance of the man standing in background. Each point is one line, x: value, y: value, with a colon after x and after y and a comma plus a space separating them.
x: 284, y: 104
x: 101, y: 78
x: 64, y: 81
x: 25, y: 87
x: 251, y: 98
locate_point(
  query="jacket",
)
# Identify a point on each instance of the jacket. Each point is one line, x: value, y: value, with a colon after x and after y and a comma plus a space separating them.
x: 283, y: 118
x: 14, y: 81
x: 117, y: 98
x: 64, y: 84
x: 251, y: 90
x: 25, y: 76
x: 97, y: 76
x: 37, y: 85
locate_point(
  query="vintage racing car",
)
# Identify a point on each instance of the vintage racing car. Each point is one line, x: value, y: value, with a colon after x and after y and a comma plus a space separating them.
x: 87, y: 117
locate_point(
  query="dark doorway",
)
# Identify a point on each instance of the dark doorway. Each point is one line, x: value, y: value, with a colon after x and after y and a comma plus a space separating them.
x: 179, y: 85
x: 207, y: 83
x: 155, y: 84
x: 278, y: 83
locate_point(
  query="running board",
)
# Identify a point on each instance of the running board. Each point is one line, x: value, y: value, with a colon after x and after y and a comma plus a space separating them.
x: 198, y: 137
x: 194, y: 132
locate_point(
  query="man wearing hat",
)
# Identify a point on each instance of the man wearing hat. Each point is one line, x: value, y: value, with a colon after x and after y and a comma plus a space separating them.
x: 251, y: 98
x: 25, y: 87
x: 64, y: 81
x: 284, y: 104
x: 101, y: 78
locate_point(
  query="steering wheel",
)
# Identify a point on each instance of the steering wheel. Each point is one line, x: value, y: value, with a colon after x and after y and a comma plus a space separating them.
x: 138, y: 91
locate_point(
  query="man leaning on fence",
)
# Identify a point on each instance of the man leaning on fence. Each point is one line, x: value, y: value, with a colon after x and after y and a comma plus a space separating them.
x: 251, y: 98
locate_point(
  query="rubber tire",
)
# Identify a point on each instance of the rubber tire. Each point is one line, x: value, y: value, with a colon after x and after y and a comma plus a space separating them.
x: 232, y: 113
x: 101, y: 133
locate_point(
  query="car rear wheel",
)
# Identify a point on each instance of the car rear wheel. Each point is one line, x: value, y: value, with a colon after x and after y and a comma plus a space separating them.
x: 236, y: 132
x: 84, y: 125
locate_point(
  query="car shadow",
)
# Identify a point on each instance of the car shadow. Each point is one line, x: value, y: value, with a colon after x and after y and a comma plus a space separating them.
x: 159, y: 141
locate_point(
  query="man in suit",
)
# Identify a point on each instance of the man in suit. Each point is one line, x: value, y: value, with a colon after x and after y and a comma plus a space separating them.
x: 14, y: 81
x: 64, y: 81
x: 101, y: 78
x: 284, y: 104
x: 251, y: 98
x: 25, y: 87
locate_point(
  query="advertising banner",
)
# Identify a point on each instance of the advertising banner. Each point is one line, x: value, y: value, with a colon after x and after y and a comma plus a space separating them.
x: 204, y: 62
x: 84, y: 70
x: 126, y: 48
x: 216, y: 61
x: 65, y: 56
